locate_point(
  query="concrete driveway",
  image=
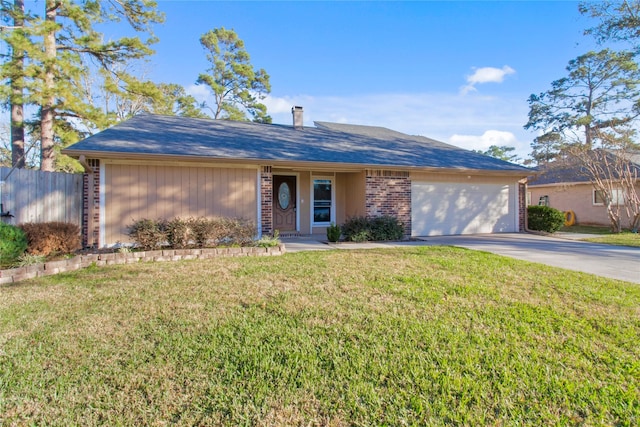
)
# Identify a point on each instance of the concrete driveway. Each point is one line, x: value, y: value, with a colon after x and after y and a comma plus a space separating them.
x: 616, y: 262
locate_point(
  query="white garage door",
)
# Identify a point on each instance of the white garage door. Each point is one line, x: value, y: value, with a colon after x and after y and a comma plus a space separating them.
x: 440, y: 209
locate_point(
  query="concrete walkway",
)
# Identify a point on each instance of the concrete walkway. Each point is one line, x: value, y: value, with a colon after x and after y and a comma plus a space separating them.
x: 562, y: 250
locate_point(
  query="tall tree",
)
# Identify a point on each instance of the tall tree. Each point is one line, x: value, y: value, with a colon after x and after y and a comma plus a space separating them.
x: 237, y: 87
x: 600, y: 92
x: 17, y: 87
x: 16, y: 35
x: 591, y: 111
x: 619, y: 20
x: 174, y: 101
x: 48, y: 94
x: 546, y: 148
x: 71, y: 48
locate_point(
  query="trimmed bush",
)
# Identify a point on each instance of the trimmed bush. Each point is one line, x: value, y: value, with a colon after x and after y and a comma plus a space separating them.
x: 202, y: 232
x: 386, y: 228
x: 205, y: 231
x: 382, y: 228
x: 147, y: 233
x: 239, y: 231
x: 13, y: 243
x: 333, y: 232
x: 356, y: 229
x: 178, y: 232
x: 545, y: 218
x: 49, y: 238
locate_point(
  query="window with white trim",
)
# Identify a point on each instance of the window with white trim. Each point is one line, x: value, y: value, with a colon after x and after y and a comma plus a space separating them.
x: 617, y: 197
x: 322, y: 201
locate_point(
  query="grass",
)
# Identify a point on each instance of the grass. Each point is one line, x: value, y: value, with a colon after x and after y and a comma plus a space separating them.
x: 586, y: 229
x: 604, y: 235
x: 412, y: 336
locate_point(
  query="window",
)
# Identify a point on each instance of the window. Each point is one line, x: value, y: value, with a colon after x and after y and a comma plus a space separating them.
x: 617, y: 197
x: 322, y: 201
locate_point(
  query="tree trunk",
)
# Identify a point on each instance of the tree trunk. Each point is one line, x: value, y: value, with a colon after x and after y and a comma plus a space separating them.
x: 47, y: 114
x: 17, y: 82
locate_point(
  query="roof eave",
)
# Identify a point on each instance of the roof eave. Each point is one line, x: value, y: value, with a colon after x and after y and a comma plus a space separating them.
x: 309, y: 165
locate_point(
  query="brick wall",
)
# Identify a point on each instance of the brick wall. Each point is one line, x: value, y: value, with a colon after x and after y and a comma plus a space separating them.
x: 266, y: 199
x: 522, y: 205
x: 389, y: 193
x: 91, y: 206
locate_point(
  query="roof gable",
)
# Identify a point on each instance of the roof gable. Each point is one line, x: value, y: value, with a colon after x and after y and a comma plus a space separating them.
x: 331, y: 143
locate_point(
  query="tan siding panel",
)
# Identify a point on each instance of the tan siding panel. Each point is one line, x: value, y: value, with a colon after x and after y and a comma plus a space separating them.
x: 135, y: 192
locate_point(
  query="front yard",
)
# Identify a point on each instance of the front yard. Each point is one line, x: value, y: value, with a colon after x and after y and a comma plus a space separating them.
x: 413, y: 336
x: 604, y: 235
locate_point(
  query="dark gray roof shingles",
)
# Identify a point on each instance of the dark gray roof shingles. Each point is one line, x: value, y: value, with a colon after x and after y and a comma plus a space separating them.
x: 326, y: 143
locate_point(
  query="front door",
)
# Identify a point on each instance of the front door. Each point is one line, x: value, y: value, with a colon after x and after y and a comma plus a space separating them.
x: 284, y: 203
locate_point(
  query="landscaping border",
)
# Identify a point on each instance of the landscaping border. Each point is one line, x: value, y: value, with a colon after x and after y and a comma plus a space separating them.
x: 14, y: 275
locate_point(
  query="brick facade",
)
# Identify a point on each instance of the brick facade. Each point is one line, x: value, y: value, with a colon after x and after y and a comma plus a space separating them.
x: 389, y: 193
x: 266, y: 199
x: 91, y: 206
x: 522, y: 206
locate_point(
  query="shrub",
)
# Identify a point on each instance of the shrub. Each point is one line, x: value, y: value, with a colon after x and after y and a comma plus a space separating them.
x: 27, y: 259
x: 178, y: 232
x: 361, y: 229
x: 356, y: 229
x: 386, y: 228
x: 269, y: 241
x: 545, y: 218
x: 13, y: 243
x: 147, y: 233
x: 204, y: 231
x: 238, y: 231
x: 48, y: 238
x: 333, y: 232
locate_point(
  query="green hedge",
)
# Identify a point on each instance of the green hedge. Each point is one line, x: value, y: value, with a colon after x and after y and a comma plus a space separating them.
x: 545, y: 218
x: 362, y: 229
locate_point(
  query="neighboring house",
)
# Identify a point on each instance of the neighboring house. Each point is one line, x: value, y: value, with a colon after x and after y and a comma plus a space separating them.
x: 566, y: 187
x: 294, y: 179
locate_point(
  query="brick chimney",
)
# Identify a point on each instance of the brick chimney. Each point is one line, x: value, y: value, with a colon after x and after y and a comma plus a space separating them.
x: 297, y: 117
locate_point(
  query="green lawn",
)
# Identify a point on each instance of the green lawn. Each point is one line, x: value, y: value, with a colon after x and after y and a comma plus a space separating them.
x: 604, y: 235
x: 412, y: 336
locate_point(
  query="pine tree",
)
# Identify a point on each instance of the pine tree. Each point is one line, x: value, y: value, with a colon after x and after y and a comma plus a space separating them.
x: 237, y: 86
x: 70, y: 50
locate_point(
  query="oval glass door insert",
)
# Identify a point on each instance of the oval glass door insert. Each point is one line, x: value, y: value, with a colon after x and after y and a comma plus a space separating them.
x: 284, y: 196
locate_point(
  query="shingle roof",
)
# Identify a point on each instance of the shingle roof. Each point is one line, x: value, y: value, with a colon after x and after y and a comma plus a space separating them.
x: 331, y: 143
x: 572, y: 171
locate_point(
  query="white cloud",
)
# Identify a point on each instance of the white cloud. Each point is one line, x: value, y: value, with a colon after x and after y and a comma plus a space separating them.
x: 486, y: 75
x: 199, y: 92
x: 484, y: 141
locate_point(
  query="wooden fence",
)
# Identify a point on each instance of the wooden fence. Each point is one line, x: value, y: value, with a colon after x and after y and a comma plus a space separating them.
x: 35, y: 196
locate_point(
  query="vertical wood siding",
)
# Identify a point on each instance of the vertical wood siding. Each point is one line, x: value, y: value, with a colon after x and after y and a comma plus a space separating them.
x: 36, y: 196
x: 134, y: 192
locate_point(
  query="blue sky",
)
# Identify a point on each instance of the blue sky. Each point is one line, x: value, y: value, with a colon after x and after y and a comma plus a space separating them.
x: 459, y: 72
